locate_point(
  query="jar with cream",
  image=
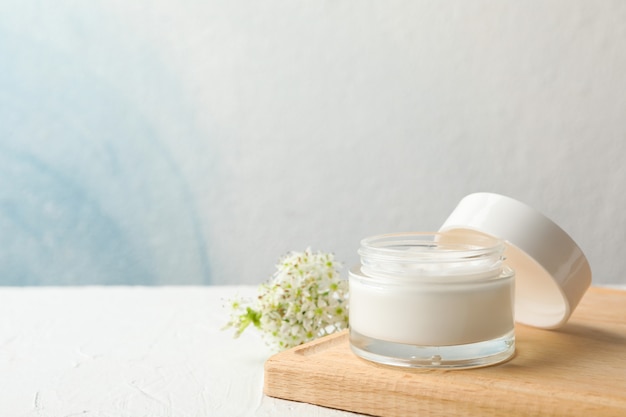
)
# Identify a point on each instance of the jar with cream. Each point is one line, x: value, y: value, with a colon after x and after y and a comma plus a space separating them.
x: 435, y: 300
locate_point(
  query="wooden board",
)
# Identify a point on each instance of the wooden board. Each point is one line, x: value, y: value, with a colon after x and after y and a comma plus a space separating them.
x: 579, y: 370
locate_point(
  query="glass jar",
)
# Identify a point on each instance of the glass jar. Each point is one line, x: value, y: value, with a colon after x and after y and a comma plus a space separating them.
x: 436, y: 300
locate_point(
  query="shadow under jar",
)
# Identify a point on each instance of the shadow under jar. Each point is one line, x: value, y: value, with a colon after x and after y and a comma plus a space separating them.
x: 433, y: 300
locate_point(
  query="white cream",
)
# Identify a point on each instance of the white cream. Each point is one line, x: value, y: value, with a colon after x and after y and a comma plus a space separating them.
x: 432, y: 314
x: 432, y: 299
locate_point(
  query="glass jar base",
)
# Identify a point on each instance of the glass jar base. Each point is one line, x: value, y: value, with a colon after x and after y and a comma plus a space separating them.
x: 472, y: 355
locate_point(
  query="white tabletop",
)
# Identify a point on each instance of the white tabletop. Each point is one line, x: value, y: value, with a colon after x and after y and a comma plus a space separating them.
x: 131, y: 351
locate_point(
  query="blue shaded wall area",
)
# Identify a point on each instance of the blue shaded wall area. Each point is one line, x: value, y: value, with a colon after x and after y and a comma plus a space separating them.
x: 90, y: 190
x: 195, y: 142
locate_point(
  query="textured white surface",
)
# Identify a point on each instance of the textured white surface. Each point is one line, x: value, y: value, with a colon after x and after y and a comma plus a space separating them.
x: 129, y: 352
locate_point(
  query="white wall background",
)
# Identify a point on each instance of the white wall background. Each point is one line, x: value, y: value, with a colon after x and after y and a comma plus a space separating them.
x: 201, y: 140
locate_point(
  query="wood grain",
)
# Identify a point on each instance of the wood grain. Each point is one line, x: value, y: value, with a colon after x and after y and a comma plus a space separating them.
x: 579, y: 370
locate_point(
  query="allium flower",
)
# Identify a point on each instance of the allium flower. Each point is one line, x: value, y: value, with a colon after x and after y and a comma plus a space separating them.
x: 304, y: 300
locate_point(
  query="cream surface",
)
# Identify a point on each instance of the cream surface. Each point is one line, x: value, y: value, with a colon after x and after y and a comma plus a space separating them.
x: 432, y: 314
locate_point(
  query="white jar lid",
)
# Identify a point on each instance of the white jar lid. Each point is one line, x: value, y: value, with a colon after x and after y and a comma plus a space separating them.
x: 551, y: 271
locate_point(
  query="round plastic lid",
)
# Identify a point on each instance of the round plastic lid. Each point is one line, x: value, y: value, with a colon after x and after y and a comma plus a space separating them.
x: 552, y: 273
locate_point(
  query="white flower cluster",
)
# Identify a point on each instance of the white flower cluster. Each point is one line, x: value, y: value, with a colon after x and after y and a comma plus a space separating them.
x: 304, y: 300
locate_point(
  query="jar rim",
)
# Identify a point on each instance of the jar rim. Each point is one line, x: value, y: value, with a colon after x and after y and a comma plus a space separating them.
x: 436, y: 246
